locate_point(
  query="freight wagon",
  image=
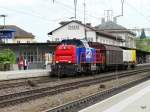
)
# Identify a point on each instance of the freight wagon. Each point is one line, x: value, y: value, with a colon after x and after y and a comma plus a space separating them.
x: 129, y: 58
x: 107, y: 56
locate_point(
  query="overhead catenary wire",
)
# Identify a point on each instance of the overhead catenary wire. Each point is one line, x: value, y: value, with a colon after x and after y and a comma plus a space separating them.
x: 27, y: 13
x: 38, y: 16
x: 67, y: 6
x: 137, y: 11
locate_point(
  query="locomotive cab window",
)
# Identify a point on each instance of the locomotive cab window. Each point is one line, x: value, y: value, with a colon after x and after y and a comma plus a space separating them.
x: 85, y: 43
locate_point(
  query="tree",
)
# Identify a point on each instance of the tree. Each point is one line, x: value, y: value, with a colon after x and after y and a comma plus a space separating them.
x: 143, y: 35
x: 7, y: 56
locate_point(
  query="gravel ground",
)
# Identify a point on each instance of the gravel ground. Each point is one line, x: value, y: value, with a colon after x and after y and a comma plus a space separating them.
x: 22, y: 80
x: 55, y: 100
x: 27, y: 87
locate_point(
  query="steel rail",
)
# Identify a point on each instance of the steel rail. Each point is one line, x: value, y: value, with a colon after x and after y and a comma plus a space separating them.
x: 82, y: 103
x: 15, y: 98
x: 44, y: 80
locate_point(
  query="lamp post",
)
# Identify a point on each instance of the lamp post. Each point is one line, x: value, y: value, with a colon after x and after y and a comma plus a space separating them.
x: 4, y: 16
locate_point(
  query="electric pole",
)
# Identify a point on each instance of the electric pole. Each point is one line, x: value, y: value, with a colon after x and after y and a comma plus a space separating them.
x: 122, y: 4
x: 4, y: 16
x: 85, y: 32
x: 75, y: 9
x: 84, y: 5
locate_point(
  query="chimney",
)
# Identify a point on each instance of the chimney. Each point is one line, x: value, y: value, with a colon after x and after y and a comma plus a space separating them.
x: 102, y: 20
x: 63, y: 22
x: 88, y: 24
x: 115, y: 20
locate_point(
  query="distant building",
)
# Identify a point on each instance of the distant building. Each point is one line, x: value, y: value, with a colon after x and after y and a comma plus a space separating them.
x: 76, y: 29
x: 127, y: 36
x: 20, y: 35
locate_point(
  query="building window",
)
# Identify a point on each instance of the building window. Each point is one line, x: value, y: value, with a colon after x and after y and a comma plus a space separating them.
x: 31, y: 56
x: 90, y: 39
x: 18, y: 41
x: 73, y: 27
x: 56, y: 39
x: 103, y: 41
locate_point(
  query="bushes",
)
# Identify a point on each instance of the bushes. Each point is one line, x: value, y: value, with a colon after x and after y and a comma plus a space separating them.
x: 7, y: 57
x: 143, y: 44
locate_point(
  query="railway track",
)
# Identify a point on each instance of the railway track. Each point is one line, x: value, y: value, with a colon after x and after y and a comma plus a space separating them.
x: 15, y: 83
x: 82, y: 103
x: 6, y: 85
x: 15, y: 98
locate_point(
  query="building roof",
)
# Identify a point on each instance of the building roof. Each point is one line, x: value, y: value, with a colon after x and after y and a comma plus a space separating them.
x: 109, y: 35
x: 111, y: 27
x: 19, y: 33
x: 52, y: 43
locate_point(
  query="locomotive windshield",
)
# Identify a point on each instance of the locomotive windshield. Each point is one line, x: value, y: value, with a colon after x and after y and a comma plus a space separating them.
x: 76, y: 42
x: 85, y: 43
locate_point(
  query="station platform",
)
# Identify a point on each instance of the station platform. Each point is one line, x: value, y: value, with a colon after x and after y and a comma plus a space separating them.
x: 18, y: 74
x: 144, y: 64
x: 135, y: 99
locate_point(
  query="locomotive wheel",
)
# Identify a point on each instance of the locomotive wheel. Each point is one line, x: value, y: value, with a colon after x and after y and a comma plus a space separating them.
x: 132, y: 66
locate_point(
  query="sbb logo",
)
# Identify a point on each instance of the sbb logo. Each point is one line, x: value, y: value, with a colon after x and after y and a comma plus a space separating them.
x: 88, y: 53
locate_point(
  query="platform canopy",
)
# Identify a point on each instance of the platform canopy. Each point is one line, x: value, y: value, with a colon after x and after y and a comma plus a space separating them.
x: 6, y: 33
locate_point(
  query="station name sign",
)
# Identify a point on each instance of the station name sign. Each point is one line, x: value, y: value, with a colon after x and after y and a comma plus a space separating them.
x: 6, y: 34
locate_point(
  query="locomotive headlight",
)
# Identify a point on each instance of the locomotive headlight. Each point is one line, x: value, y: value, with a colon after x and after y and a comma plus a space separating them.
x: 57, y: 61
x: 69, y: 61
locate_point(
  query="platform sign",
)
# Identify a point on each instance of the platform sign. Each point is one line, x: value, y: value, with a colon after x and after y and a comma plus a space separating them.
x: 6, y: 34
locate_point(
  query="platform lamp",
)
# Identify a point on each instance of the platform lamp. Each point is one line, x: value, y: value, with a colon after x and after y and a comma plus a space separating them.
x: 4, y: 16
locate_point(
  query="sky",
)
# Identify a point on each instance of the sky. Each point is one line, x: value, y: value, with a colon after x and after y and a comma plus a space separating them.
x: 42, y: 16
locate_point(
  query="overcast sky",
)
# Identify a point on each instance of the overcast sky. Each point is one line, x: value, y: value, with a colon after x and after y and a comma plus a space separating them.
x: 42, y: 16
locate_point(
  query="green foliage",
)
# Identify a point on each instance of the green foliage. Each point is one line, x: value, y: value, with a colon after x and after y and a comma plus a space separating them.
x: 143, y: 35
x: 143, y: 44
x: 7, y: 56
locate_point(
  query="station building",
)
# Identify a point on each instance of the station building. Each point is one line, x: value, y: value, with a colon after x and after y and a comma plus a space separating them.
x: 113, y: 28
x: 35, y: 53
x: 78, y: 30
x: 23, y: 44
x: 108, y: 32
x: 19, y: 35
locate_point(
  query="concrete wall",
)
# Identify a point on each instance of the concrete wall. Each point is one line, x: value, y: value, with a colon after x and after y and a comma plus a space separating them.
x: 23, y: 74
